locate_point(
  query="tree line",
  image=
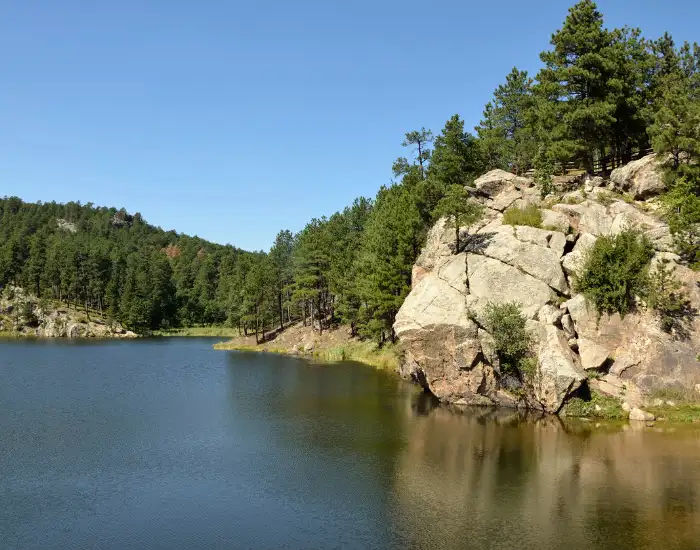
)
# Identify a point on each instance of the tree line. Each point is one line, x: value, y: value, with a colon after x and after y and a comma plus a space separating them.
x: 600, y: 95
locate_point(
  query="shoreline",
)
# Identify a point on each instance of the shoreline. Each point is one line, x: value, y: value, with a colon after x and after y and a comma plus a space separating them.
x: 337, y: 345
x: 333, y: 346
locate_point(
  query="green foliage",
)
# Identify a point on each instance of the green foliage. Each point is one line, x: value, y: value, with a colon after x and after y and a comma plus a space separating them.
x: 543, y: 174
x: 459, y: 209
x: 598, y: 406
x: 505, y: 137
x: 615, y: 271
x: 676, y: 127
x: 506, y: 323
x: 528, y: 215
x: 107, y: 260
x: 664, y: 293
x: 456, y: 159
x: 420, y: 138
x: 392, y: 240
x: 682, y: 210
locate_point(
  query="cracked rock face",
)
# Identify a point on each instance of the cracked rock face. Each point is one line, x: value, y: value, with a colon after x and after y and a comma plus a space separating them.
x: 441, y: 326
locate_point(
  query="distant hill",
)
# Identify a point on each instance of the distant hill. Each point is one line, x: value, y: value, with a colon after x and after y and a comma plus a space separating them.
x: 114, y: 263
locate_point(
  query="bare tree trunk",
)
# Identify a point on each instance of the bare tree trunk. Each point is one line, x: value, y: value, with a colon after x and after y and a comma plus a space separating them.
x: 279, y: 303
x: 320, y: 317
x: 257, y: 340
x: 420, y: 160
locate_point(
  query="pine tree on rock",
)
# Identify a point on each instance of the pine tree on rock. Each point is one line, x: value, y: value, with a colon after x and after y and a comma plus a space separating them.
x: 459, y: 210
x: 575, y: 82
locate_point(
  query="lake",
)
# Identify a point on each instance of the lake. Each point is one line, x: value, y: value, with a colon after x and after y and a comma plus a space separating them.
x: 166, y: 443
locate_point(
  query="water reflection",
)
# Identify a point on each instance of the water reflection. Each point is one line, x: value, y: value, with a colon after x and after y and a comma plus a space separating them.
x: 487, y: 478
x: 168, y: 444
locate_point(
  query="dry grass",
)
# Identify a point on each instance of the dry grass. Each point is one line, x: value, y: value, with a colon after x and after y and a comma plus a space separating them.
x: 332, y: 346
x: 223, y: 332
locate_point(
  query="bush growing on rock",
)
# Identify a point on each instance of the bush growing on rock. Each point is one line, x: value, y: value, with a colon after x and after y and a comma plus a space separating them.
x: 615, y: 271
x: 529, y: 215
x: 598, y: 406
x: 665, y: 295
x: 682, y: 210
x: 512, y: 342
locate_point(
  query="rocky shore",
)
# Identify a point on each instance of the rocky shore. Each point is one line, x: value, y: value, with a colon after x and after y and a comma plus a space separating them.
x: 441, y: 325
x: 24, y: 315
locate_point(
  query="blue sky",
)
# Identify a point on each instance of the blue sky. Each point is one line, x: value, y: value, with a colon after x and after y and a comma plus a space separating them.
x: 232, y: 120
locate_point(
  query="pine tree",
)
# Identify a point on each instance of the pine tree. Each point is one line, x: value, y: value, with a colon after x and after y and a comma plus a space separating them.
x: 421, y: 139
x: 281, y: 261
x: 575, y: 82
x: 456, y: 158
x: 391, y: 242
x: 676, y: 127
x: 505, y: 135
x: 459, y: 209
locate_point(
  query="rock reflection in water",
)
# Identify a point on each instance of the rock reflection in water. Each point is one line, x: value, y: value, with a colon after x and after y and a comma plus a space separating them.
x: 485, y: 478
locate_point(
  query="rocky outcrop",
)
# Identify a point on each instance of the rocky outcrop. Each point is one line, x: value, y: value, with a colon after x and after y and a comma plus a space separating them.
x: 442, y: 325
x: 641, y: 178
x: 494, y: 182
x: 24, y: 315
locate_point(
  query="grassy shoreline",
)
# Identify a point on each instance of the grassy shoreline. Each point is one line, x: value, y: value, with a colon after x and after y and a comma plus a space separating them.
x: 386, y: 358
x: 223, y: 332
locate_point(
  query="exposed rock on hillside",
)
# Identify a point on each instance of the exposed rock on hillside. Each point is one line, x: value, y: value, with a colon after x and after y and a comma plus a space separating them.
x: 641, y: 178
x: 25, y: 315
x: 442, y: 326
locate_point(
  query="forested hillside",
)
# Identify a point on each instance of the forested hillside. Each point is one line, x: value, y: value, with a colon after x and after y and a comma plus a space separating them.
x: 601, y: 97
x: 107, y: 260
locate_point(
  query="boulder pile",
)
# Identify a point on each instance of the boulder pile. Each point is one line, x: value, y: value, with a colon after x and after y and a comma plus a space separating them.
x: 448, y: 348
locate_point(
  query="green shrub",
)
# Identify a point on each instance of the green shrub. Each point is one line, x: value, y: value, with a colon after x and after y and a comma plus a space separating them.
x: 528, y: 367
x: 682, y: 211
x: 506, y: 323
x: 543, y: 174
x: 615, y: 271
x: 598, y: 406
x: 529, y: 215
x: 664, y: 293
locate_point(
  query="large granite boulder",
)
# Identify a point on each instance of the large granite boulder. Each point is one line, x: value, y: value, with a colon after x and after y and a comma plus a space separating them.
x: 559, y: 370
x: 491, y: 280
x: 635, y: 347
x: 495, y: 181
x: 444, y: 330
x: 641, y: 178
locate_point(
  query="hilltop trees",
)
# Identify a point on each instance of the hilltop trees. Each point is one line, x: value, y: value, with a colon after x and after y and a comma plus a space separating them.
x: 575, y: 79
x: 420, y: 138
x: 505, y: 133
x: 104, y: 260
x: 456, y: 159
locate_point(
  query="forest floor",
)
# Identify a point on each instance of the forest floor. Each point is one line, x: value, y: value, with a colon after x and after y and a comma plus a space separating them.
x: 335, y: 344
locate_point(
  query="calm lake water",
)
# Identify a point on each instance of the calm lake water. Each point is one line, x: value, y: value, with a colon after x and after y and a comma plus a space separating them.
x: 166, y: 443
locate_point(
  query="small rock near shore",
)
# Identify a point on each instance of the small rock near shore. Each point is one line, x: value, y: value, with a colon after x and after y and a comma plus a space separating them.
x: 639, y: 414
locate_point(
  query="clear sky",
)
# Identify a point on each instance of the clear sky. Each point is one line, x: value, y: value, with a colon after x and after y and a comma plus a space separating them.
x: 232, y: 120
